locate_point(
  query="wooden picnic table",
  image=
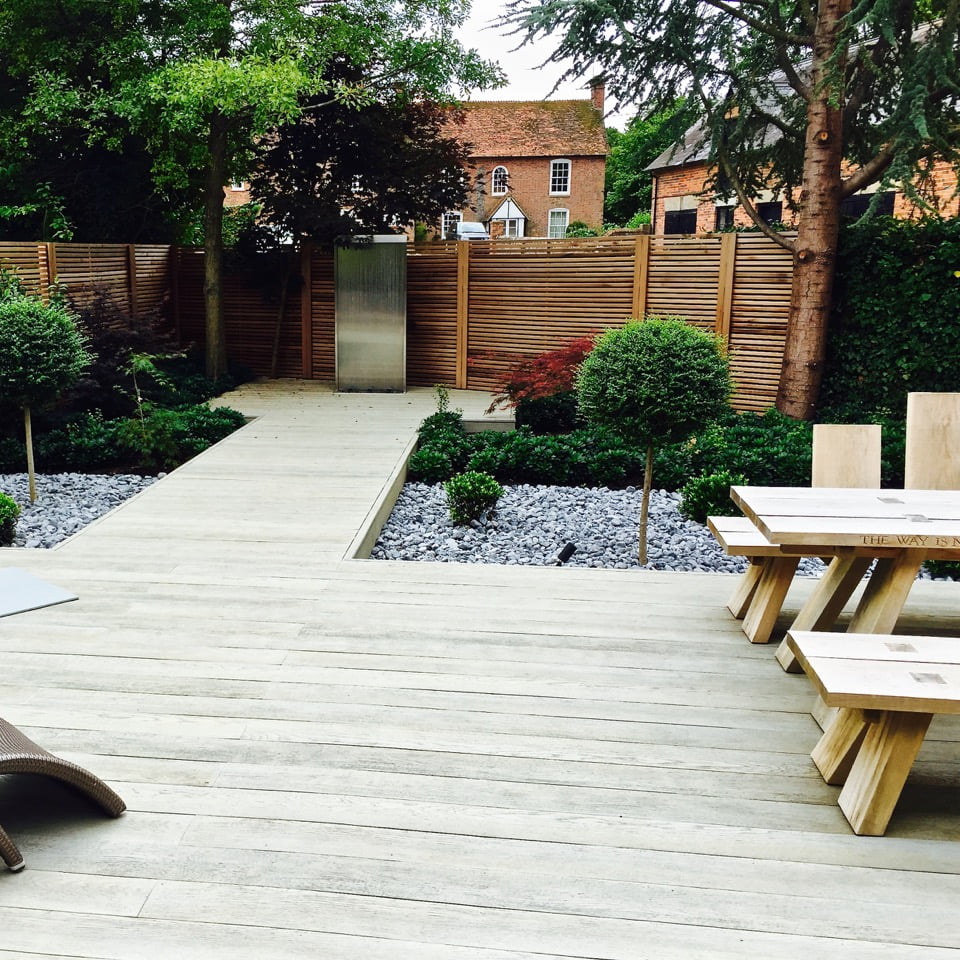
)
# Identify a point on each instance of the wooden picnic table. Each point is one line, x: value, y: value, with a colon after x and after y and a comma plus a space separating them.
x: 897, y: 528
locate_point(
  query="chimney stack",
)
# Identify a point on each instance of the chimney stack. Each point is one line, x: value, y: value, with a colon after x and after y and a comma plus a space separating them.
x: 597, y: 93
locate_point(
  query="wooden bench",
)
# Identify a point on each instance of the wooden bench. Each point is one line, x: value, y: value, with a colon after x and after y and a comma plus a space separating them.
x: 843, y: 455
x: 887, y: 688
x: 760, y: 592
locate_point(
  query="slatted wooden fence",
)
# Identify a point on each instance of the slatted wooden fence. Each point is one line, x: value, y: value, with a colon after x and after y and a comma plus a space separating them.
x: 508, y: 300
x: 135, y: 276
x: 473, y: 309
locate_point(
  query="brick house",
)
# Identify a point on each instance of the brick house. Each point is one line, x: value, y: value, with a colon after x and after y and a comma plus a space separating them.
x: 682, y: 204
x: 537, y: 166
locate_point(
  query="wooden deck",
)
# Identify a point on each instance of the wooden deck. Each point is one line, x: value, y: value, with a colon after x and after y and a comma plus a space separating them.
x: 329, y: 758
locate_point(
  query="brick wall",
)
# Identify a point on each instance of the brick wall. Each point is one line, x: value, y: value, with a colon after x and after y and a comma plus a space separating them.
x: 688, y: 182
x: 529, y: 186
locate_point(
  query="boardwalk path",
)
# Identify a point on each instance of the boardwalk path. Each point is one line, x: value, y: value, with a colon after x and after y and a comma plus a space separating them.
x: 330, y: 758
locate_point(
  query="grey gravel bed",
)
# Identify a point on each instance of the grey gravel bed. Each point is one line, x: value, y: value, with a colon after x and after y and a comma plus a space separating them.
x: 531, y: 524
x: 66, y: 503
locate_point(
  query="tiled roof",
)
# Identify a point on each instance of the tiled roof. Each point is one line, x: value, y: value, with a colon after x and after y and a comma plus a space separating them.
x: 533, y: 128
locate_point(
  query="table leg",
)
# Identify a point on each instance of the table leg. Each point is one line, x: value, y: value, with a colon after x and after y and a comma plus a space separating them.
x: 767, y: 601
x: 880, y: 770
x: 886, y: 593
x: 828, y: 599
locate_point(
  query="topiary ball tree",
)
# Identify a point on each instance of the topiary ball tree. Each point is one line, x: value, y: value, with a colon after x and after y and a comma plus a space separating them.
x: 41, y: 354
x: 654, y: 381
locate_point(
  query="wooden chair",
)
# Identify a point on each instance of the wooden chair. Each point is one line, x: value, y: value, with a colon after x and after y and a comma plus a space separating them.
x: 19, y: 754
x: 844, y: 455
x: 932, y: 455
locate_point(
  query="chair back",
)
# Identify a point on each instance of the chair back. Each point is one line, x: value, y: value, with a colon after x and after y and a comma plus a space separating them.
x: 932, y: 460
x: 846, y: 455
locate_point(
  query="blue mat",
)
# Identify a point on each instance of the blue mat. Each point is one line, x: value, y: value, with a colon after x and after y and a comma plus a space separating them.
x: 21, y: 591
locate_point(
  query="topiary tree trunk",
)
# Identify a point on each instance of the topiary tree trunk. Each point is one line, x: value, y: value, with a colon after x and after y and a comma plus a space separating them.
x: 41, y: 354
x: 654, y: 381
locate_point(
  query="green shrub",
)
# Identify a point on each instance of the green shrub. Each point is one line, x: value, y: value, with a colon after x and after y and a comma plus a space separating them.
x: 709, y: 495
x: 943, y: 569
x: 470, y: 494
x: 554, y: 414
x: 441, y: 426
x: 163, y: 439
x: 12, y: 455
x: 87, y: 442
x: 768, y: 449
x: 9, y: 511
x: 896, y: 302
x: 579, y: 229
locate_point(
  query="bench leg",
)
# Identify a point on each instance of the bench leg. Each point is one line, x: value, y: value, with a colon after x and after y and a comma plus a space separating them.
x: 828, y: 599
x: 881, y: 769
x: 768, y: 600
x: 739, y: 602
x: 837, y: 749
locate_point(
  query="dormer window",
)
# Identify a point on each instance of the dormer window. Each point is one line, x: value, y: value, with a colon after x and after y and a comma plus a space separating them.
x: 559, y: 177
x: 498, y: 181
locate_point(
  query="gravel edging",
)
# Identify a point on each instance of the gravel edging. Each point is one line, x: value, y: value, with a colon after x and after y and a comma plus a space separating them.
x: 66, y: 502
x: 531, y: 524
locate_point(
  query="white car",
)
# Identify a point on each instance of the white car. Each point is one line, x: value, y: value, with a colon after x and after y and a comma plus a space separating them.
x: 472, y: 231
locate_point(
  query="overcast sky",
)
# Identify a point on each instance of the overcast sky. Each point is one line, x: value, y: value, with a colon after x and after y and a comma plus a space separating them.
x: 528, y: 80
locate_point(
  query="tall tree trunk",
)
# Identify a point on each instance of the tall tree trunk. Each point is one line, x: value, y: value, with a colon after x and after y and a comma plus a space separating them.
x: 819, y: 228
x: 216, y: 364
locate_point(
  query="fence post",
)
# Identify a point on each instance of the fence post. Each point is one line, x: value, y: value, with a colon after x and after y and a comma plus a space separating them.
x: 306, y: 311
x: 725, y: 281
x: 51, y: 271
x: 132, y: 278
x: 641, y: 266
x: 173, y: 275
x: 463, y: 311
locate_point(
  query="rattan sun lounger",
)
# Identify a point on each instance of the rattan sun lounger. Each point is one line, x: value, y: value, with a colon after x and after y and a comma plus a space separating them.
x: 19, y: 754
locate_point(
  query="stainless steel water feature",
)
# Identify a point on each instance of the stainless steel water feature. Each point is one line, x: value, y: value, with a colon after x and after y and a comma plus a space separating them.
x: 371, y: 315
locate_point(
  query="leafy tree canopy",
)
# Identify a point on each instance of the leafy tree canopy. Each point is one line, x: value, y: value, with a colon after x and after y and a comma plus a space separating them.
x: 201, y: 80
x: 892, y: 64
x: 629, y: 186
x: 341, y: 169
x: 821, y: 98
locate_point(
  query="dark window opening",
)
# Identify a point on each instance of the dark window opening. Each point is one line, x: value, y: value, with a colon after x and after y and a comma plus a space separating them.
x: 856, y: 206
x: 771, y: 212
x: 680, y: 221
x: 724, y: 218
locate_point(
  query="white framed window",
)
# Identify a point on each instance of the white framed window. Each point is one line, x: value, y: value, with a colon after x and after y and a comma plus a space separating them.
x: 513, y: 227
x: 557, y: 222
x: 498, y: 181
x: 448, y: 227
x: 238, y: 185
x: 559, y: 177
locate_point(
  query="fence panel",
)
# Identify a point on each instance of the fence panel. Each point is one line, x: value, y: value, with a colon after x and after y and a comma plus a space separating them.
x: 28, y: 261
x: 151, y: 287
x: 528, y: 296
x: 321, y: 316
x: 251, y: 318
x: 683, y: 277
x: 432, y: 314
x: 758, y: 324
x: 88, y: 270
